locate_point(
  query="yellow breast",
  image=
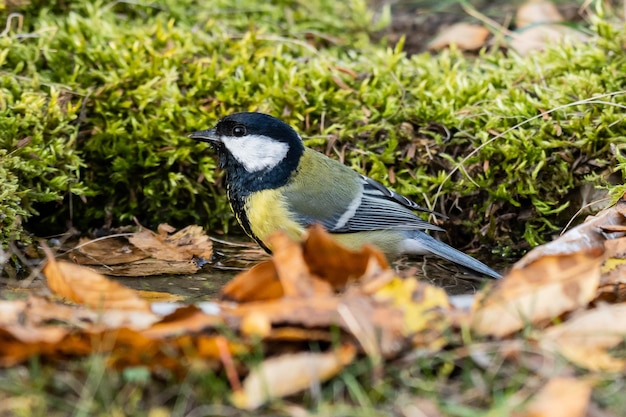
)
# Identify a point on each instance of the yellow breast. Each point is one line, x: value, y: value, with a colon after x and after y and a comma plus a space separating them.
x: 267, y: 213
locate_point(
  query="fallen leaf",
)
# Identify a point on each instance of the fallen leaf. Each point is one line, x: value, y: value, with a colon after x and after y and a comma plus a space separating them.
x: 180, y: 246
x: 336, y: 264
x: 292, y: 269
x: 288, y: 374
x: 84, y: 286
x: 37, y: 326
x: 586, y: 338
x: 378, y: 327
x: 20, y: 342
x: 560, y: 397
x: 418, y: 300
x: 537, y: 11
x: 589, y: 235
x: 541, y: 290
x: 612, y: 287
x: 303, y: 269
x: 537, y: 38
x: 37, y: 312
x: 306, y: 312
x: 539, y: 24
x: 160, y: 296
x: 466, y: 36
x: 110, y: 251
x: 257, y: 283
x: 184, y: 320
x: 148, y: 267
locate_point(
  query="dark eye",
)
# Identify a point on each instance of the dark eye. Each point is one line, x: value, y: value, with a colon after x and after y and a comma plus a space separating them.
x: 239, y: 130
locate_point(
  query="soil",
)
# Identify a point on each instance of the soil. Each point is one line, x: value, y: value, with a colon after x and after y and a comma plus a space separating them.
x: 420, y: 21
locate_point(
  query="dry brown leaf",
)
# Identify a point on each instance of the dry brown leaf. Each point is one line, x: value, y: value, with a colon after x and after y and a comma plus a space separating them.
x: 300, y: 270
x: 287, y: 374
x: 536, y: 38
x: 16, y: 346
x: 538, y: 23
x: 466, y: 36
x: 36, y: 329
x: 585, y: 338
x: 159, y: 296
x: 37, y: 312
x: 560, y: 397
x: 612, y: 228
x: 542, y: 290
x: 589, y: 235
x: 184, y: 320
x: 180, y: 246
x: 306, y: 312
x: 378, y: 327
x: 612, y: 286
x: 335, y: 264
x: 292, y: 270
x: 111, y: 251
x: 537, y: 11
x: 148, y: 267
x: 84, y: 286
x: 257, y: 283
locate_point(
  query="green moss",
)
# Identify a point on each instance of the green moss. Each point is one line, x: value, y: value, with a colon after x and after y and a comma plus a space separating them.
x: 107, y: 91
x: 37, y: 149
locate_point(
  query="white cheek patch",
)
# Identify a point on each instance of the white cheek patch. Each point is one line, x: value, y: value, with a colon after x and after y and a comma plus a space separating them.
x: 256, y: 152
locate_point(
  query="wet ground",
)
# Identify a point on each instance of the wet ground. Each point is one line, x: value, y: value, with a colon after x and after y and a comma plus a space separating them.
x: 234, y: 256
x: 419, y: 21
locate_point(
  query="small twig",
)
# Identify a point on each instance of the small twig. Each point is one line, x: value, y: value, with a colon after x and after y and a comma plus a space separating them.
x: 7, y: 28
x: 93, y: 241
x: 470, y: 10
x: 580, y: 210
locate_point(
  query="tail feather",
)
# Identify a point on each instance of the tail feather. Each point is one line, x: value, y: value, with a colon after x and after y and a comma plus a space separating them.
x: 422, y: 242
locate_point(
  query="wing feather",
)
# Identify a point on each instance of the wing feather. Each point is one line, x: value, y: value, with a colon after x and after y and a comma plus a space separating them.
x: 350, y: 202
x: 382, y: 208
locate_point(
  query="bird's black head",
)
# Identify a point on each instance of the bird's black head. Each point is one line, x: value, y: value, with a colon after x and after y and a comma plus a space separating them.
x: 257, y: 151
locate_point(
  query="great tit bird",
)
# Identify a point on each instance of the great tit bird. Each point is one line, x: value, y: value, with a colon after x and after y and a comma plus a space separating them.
x: 275, y: 183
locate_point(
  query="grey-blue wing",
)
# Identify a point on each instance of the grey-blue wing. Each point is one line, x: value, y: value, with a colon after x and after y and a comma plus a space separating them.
x: 382, y: 208
x: 376, y: 188
x: 372, y: 207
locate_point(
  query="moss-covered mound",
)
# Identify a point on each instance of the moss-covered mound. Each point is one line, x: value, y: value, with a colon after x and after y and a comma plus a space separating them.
x: 96, y: 99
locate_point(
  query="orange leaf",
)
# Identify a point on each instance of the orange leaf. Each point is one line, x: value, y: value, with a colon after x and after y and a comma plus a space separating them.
x: 542, y: 290
x: 258, y: 283
x: 304, y: 269
x: 334, y: 263
x: 465, y: 36
x: 292, y: 269
x: 84, y: 286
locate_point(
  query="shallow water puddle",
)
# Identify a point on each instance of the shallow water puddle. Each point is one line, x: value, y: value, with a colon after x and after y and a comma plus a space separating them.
x: 233, y: 256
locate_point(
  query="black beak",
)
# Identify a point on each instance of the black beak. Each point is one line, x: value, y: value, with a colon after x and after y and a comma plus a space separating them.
x: 209, y: 136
